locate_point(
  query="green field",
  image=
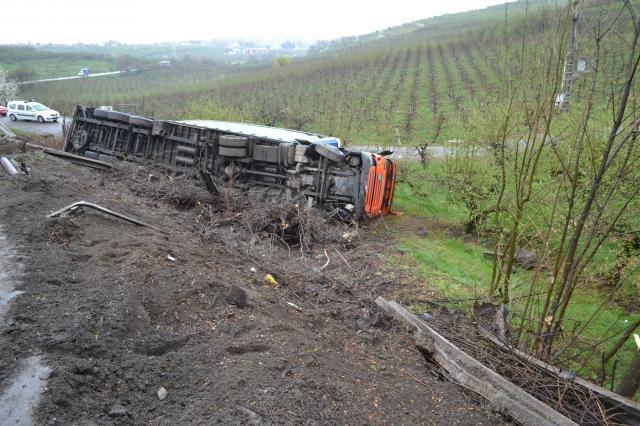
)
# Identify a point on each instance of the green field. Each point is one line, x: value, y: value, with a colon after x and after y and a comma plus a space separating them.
x: 452, y: 265
x: 156, y: 89
x: 27, y: 63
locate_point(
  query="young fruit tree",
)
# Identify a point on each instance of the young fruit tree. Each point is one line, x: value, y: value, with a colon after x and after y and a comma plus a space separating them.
x: 8, y: 88
x: 423, y: 147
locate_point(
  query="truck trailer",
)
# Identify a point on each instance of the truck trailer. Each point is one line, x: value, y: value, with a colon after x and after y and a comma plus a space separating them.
x: 259, y: 161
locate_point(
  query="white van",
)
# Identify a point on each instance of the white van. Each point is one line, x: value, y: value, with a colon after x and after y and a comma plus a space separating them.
x: 30, y: 110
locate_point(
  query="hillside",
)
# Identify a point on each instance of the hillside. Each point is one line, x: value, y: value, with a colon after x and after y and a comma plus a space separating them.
x: 387, y: 87
x: 394, y: 86
x: 25, y: 63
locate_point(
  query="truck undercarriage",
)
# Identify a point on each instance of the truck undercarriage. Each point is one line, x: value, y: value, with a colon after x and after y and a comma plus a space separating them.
x: 263, y: 162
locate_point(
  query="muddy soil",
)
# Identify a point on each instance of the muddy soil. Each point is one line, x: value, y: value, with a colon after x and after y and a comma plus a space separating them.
x: 143, y: 327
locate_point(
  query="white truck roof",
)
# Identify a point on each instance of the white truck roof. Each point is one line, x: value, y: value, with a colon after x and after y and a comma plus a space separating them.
x: 276, y: 133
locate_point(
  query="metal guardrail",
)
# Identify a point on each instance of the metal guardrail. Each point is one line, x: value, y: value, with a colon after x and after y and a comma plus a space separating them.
x: 5, y: 132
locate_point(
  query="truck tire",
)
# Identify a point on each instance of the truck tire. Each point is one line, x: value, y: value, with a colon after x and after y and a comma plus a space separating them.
x: 118, y: 116
x: 227, y: 151
x: 145, y: 123
x: 330, y: 152
x: 100, y: 113
x: 79, y: 140
x: 233, y: 141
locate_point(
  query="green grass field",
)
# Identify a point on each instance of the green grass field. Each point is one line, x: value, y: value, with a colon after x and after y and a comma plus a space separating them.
x: 452, y: 266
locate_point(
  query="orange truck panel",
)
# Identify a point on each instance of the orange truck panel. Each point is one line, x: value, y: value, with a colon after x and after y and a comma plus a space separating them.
x: 380, y: 185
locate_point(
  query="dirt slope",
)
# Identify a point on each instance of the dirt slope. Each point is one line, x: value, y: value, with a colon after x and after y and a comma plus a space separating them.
x: 116, y: 320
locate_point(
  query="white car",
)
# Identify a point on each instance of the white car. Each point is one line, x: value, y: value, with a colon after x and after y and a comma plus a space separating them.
x: 30, y: 110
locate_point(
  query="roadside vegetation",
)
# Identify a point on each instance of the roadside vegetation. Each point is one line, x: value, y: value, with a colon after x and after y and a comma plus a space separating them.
x: 547, y: 196
x: 454, y: 266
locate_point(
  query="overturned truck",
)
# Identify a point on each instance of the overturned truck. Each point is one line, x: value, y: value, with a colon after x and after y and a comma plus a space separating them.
x: 263, y: 162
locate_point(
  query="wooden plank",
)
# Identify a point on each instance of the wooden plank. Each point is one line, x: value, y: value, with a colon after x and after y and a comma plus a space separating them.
x: 504, y: 396
x: 80, y: 160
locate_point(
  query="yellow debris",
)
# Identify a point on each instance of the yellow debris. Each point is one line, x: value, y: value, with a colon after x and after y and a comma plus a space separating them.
x: 270, y: 280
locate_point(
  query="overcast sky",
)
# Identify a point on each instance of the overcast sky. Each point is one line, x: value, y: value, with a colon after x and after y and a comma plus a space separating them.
x: 147, y: 21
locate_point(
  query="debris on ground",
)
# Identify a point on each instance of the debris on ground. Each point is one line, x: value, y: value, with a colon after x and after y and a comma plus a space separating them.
x: 271, y: 281
x: 79, y: 159
x: 12, y: 167
x: 562, y: 390
x: 116, y: 321
x: 505, y: 396
x: 73, y: 207
x: 162, y: 394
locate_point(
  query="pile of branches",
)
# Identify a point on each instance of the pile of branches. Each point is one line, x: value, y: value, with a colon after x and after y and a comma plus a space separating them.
x: 288, y: 222
x: 572, y: 400
x: 295, y: 225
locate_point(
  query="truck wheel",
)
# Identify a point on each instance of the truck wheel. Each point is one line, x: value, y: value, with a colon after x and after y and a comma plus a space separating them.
x: 100, y: 113
x: 330, y: 152
x: 227, y: 151
x: 233, y: 141
x: 40, y: 119
x: 144, y: 122
x: 13, y: 117
x: 118, y: 116
x: 79, y: 140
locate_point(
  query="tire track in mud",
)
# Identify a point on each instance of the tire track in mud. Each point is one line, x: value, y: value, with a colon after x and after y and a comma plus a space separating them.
x: 20, y: 395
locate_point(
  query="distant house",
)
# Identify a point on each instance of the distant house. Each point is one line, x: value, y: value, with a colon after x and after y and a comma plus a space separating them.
x: 255, y: 50
x: 165, y: 64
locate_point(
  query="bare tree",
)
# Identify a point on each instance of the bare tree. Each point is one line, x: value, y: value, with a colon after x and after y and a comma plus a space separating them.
x: 298, y: 120
x: 631, y: 379
x: 269, y: 112
x: 423, y: 147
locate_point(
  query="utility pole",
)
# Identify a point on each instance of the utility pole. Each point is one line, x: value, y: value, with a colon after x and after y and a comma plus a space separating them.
x: 569, y: 69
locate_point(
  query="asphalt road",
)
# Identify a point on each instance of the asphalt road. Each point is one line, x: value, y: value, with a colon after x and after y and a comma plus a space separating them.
x: 73, y: 77
x: 54, y: 129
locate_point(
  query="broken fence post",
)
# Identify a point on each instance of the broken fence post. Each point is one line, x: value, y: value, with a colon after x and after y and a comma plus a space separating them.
x: 503, y: 395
